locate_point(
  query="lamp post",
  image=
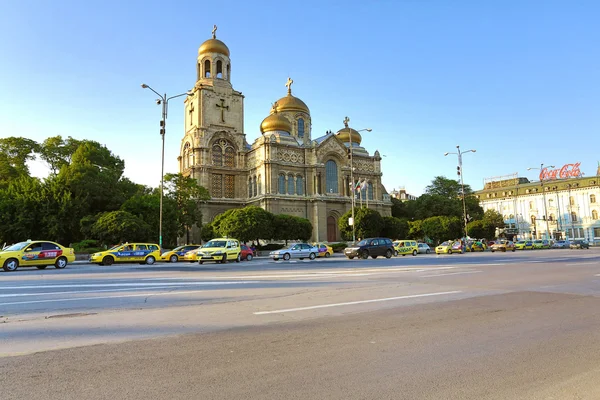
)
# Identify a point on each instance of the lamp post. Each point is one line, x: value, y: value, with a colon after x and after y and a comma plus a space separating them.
x: 350, y: 155
x: 462, y: 183
x: 541, y: 168
x: 164, y: 101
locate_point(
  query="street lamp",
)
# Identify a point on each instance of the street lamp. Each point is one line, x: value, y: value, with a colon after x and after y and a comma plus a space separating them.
x: 346, y: 121
x: 462, y: 183
x: 164, y: 101
x: 541, y: 168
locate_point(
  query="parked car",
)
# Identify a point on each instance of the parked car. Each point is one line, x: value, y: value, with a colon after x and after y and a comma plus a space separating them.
x: 178, y: 252
x: 424, y: 248
x: 247, y: 253
x: 371, y: 247
x: 541, y: 244
x: 36, y: 253
x: 192, y: 255
x: 220, y: 251
x: 324, y: 250
x: 142, y: 253
x: 580, y: 244
x: 297, y: 250
x: 524, y: 245
x: 474, y: 246
x: 404, y: 247
x: 503, y: 246
x: 561, y: 244
x: 447, y: 248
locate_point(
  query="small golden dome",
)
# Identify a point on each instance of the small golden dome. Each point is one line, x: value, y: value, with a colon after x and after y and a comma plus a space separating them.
x: 213, y: 46
x: 291, y: 103
x: 275, y: 122
x: 345, y: 134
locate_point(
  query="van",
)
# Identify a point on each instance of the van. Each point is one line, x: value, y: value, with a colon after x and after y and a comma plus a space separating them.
x: 405, y: 247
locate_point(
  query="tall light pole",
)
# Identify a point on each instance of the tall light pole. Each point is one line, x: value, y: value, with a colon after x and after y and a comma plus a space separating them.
x: 350, y: 155
x: 164, y: 101
x: 462, y: 183
x: 541, y: 168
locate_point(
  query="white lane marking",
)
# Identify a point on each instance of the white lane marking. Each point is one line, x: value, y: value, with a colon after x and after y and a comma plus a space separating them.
x: 450, y: 273
x: 412, y: 296
x: 148, y: 285
x: 585, y: 263
x: 101, y: 297
x: 85, y: 291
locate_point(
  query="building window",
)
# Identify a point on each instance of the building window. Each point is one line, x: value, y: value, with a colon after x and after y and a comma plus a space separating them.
x: 592, y: 198
x: 281, y: 185
x: 300, y: 128
x: 531, y: 205
x: 207, y: 69
x: 370, y: 190
x: 220, y: 69
x: 594, y: 214
x: 229, y: 157
x: 573, y: 216
x: 596, y: 233
x: 290, y: 184
x: 331, y: 177
x: 533, y: 220
x: 255, y: 186
x: 299, y: 186
x: 223, y: 154
x: 186, y: 155
x: 250, y: 187
x: 259, y: 185
x: 552, y: 217
x: 217, y: 185
x: 550, y: 203
x: 217, y: 156
x: 230, y: 186
x: 572, y: 200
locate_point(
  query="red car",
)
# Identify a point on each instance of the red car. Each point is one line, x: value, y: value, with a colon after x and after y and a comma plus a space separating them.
x: 246, y: 253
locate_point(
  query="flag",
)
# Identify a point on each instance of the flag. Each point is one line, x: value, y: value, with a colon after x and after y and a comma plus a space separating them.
x: 357, y: 186
x: 363, y: 186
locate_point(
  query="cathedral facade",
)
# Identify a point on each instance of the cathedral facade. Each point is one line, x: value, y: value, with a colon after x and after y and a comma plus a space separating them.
x: 284, y: 170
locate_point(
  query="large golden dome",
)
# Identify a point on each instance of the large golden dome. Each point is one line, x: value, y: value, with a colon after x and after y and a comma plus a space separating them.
x: 275, y: 122
x: 213, y: 45
x: 345, y: 134
x: 291, y: 103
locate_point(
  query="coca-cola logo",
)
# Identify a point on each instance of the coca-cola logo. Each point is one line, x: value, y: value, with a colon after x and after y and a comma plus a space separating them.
x: 567, y: 171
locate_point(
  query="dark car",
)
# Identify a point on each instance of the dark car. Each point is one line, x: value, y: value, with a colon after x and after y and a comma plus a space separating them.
x: 580, y: 244
x: 372, y: 247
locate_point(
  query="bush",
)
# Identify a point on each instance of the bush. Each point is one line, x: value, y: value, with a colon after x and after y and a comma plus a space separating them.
x: 338, y: 247
x: 87, y: 246
x: 271, y: 247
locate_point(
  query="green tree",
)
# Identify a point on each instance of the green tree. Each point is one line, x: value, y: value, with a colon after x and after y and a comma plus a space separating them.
x: 481, y: 229
x: 289, y: 227
x: 187, y: 194
x: 248, y: 223
x: 415, y: 229
x: 448, y: 188
x: 57, y: 152
x: 118, y: 226
x: 394, y: 228
x: 493, y: 218
x: 18, y: 151
x: 442, y: 228
x: 368, y: 223
x: 207, y: 232
x: 20, y: 210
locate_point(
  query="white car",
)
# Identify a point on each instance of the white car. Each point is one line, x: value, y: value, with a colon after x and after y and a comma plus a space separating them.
x: 424, y: 248
x: 298, y: 250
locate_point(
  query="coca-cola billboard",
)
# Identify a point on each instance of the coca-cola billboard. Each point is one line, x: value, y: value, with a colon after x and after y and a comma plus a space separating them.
x: 567, y: 171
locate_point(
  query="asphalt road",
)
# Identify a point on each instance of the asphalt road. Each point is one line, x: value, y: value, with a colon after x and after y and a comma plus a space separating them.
x: 521, y: 325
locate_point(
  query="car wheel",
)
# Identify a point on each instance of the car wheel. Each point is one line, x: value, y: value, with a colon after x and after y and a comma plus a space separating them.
x: 388, y: 254
x: 224, y: 259
x: 301, y: 258
x: 286, y: 256
x: 60, y: 263
x: 312, y: 256
x: 327, y: 255
x: 414, y: 252
x: 493, y: 251
x: 174, y: 258
x: 200, y: 262
x: 364, y: 255
x: 396, y: 253
x: 450, y: 251
x: 41, y: 267
x: 504, y: 250
x: 275, y: 259
x: 513, y: 250
x: 11, y: 265
x: 427, y: 251
x: 351, y: 257
x: 150, y: 260
x: 238, y: 258
x: 249, y: 257
x: 108, y: 260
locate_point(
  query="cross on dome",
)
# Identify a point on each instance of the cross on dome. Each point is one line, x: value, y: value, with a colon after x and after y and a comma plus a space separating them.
x: 214, y: 31
x: 288, y: 84
x: 346, y: 120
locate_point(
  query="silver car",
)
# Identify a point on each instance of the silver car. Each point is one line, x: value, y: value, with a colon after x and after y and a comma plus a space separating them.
x: 424, y: 248
x: 298, y: 250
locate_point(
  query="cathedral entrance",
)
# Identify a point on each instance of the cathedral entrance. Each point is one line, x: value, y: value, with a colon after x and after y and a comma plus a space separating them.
x: 331, y: 229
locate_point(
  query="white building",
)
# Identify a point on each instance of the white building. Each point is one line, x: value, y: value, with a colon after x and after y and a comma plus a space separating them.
x: 553, y: 208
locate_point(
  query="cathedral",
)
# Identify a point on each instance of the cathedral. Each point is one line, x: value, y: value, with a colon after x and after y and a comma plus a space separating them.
x: 284, y: 170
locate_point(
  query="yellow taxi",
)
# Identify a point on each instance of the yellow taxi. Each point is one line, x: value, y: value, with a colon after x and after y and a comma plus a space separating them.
x: 405, y: 247
x: 220, y: 250
x: 474, y: 246
x: 324, y: 249
x: 449, y: 247
x: 36, y: 253
x: 524, y: 245
x: 503, y: 246
x: 143, y: 253
x: 178, y: 253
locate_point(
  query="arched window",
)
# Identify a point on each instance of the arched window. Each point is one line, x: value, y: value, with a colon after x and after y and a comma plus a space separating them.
x: 229, y: 157
x: 531, y: 205
x: 300, y: 127
x: 572, y: 200
x: 217, y: 155
x: 533, y: 219
x: 207, y: 69
x: 574, y: 216
x: 255, y: 186
x: 331, y: 177
x: 299, y: 186
x: 228, y: 72
x: 223, y: 154
x: 594, y: 214
x: 186, y: 155
x: 592, y: 198
x: 370, y: 190
x: 290, y: 185
x: 220, y: 69
x: 550, y: 203
x: 249, y: 187
x: 552, y: 217
x: 281, y: 184
x: 259, y: 184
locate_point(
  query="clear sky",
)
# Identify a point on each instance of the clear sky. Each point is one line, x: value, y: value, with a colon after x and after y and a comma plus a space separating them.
x: 516, y: 80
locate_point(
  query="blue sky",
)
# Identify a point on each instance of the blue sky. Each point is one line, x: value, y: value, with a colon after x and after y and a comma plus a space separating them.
x: 516, y: 80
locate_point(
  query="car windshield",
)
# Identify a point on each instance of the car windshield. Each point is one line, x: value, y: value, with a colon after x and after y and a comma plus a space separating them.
x: 362, y: 243
x: 178, y: 248
x: 445, y: 244
x: 521, y: 242
x: 17, y: 247
x: 216, y: 243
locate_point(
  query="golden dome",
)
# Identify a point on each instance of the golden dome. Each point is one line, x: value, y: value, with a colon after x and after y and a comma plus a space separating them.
x: 275, y: 122
x: 291, y: 103
x: 213, y: 46
x: 345, y: 134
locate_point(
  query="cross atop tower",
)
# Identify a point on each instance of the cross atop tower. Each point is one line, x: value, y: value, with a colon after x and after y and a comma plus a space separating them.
x: 289, y: 85
x: 214, y: 31
x: 346, y: 120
